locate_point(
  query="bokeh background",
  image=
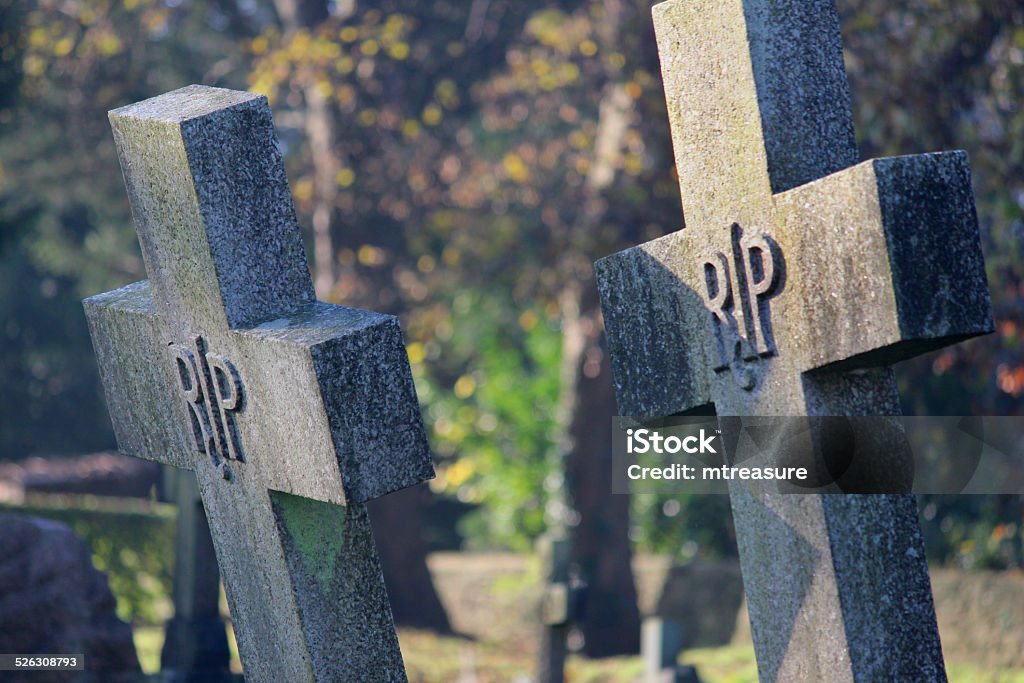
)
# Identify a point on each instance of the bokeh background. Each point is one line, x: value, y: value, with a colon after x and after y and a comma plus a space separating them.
x: 461, y: 163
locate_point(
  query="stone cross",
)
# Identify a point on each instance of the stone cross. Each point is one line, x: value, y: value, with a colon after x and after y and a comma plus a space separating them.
x: 555, y: 608
x: 661, y: 641
x: 291, y: 412
x: 800, y: 276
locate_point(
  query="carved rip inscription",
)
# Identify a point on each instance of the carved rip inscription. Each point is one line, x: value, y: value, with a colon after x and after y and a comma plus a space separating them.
x: 212, y: 389
x: 738, y: 286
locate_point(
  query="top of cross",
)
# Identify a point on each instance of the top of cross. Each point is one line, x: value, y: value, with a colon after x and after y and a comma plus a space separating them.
x: 217, y: 229
x: 793, y: 259
x: 758, y: 97
x: 229, y: 316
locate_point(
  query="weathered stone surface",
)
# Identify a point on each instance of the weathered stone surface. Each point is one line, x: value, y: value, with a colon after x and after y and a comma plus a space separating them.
x: 53, y: 601
x: 143, y: 425
x: 285, y: 408
x: 212, y: 207
x: 798, y: 278
x: 903, y: 276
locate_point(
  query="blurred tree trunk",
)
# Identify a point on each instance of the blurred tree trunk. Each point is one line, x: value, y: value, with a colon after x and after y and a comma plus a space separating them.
x: 398, y: 532
x: 600, y: 540
x: 297, y: 15
x: 600, y: 535
x: 396, y: 518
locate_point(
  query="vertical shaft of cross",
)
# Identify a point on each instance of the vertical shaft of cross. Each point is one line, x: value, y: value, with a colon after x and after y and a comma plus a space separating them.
x: 757, y: 99
x: 221, y: 251
x: 837, y: 587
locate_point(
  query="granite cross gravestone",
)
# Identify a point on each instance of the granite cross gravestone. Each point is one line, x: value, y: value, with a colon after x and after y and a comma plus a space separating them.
x: 291, y: 412
x: 799, y: 277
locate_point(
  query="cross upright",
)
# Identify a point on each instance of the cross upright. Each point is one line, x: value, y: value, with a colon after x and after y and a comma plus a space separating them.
x: 291, y: 412
x: 799, y: 277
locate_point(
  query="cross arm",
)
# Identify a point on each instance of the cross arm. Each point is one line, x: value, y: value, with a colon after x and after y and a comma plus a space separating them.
x: 341, y: 405
x: 655, y: 324
x: 888, y: 259
x: 132, y: 361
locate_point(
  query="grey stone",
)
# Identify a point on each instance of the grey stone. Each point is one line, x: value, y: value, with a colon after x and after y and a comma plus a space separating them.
x: 799, y: 277
x: 54, y: 601
x: 285, y: 408
x: 556, y: 609
x: 661, y: 641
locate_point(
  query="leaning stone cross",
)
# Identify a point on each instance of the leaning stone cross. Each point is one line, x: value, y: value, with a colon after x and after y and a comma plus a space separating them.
x: 291, y: 412
x: 800, y: 276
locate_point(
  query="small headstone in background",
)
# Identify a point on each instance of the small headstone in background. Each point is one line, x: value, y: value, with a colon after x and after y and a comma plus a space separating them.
x: 54, y: 601
x: 661, y: 642
x: 555, y: 608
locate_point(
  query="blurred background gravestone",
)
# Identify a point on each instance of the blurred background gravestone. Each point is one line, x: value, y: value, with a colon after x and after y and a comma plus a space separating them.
x: 54, y: 601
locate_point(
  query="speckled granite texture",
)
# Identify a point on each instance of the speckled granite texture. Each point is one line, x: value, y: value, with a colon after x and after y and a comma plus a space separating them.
x: 800, y: 275
x: 318, y: 400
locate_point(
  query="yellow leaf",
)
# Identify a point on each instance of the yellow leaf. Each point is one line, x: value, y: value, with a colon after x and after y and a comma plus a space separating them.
x: 399, y: 51
x: 515, y: 167
x: 344, y: 65
x: 417, y: 353
x: 325, y: 89
x: 368, y: 117
x: 63, y: 46
x: 411, y: 128
x: 109, y: 45
x: 370, y: 255
x: 426, y: 263
x: 432, y: 115
x: 464, y: 387
x: 304, y: 189
x: 459, y: 471
x: 37, y: 37
x: 345, y: 177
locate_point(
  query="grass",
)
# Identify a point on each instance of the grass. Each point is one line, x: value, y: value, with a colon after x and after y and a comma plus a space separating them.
x: 430, y: 658
x: 437, y: 659
x: 150, y: 639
